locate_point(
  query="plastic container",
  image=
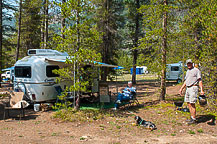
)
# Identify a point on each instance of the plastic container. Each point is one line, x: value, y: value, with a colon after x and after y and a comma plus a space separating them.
x: 36, y: 107
x: 138, y: 71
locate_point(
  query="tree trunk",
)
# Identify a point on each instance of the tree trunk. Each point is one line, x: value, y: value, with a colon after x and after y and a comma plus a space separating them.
x: 106, y: 42
x: 164, y: 50
x: 19, y: 32
x: 198, y: 48
x: 135, y: 51
x: 77, y: 106
x: 63, y: 22
x: 1, y: 31
x: 46, y: 23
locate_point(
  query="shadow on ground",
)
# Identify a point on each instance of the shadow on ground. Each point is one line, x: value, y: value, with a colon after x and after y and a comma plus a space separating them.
x: 135, y: 108
x: 14, y: 114
x: 209, y: 119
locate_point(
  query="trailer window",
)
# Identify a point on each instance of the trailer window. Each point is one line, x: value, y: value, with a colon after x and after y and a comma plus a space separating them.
x: 23, y: 71
x: 49, y: 71
x: 175, y: 68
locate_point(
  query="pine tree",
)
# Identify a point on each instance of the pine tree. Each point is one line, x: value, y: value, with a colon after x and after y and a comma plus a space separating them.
x: 19, y: 31
x: 81, y: 42
x: 31, y: 22
x: 6, y: 32
x: 133, y: 30
x: 63, y: 21
x: 159, y: 22
x: 1, y: 31
x: 109, y: 19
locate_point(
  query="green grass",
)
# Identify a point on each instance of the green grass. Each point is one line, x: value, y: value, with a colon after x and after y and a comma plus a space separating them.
x: 54, y: 134
x: 165, y: 122
x: 3, y: 95
x: 82, y: 138
x: 82, y: 115
x: 118, y: 127
x: 191, y: 132
x: 200, y: 130
x: 128, y: 77
x: 37, y: 122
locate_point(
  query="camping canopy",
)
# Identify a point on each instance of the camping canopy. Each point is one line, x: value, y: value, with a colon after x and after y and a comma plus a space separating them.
x: 119, y: 67
x: 95, y: 62
x: 8, y: 69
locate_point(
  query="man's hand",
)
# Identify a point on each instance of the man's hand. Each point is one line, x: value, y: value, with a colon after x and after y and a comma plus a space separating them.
x: 201, y: 87
x: 181, y: 89
x: 128, y: 90
x: 202, y: 92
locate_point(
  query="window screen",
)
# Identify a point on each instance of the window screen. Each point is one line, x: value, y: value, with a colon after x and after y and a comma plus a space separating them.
x: 49, y: 71
x: 23, y: 71
x: 174, y: 68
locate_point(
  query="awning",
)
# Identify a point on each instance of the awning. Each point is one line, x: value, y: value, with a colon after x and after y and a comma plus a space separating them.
x: 105, y: 64
x: 95, y: 62
x: 119, y: 67
x: 8, y: 69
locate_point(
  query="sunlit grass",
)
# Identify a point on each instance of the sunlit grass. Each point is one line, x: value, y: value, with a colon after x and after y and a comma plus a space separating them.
x: 128, y: 77
x: 81, y: 115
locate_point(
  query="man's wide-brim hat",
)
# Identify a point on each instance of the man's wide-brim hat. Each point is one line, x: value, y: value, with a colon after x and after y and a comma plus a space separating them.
x: 189, y: 61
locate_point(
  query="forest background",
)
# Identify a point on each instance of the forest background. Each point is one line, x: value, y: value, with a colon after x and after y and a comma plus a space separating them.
x: 127, y: 33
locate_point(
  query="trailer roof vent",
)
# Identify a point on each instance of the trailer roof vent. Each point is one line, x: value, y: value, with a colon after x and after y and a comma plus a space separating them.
x: 45, y: 52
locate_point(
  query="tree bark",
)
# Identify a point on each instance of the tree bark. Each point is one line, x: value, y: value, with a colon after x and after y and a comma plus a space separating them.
x: 19, y: 31
x: 164, y: 50
x: 1, y: 31
x: 135, y: 51
x: 106, y: 38
x: 77, y: 106
x: 63, y: 22
x: 46, y: 23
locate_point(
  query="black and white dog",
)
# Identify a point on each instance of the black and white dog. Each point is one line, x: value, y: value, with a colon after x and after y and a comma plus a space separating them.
x: 146, y: 124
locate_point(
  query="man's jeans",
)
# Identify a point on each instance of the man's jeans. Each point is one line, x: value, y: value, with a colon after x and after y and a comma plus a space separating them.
x: 121, y: 97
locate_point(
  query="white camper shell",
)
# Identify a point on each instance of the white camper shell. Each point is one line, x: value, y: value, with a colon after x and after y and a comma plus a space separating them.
x: 34, y: 76
x: 174, y: 72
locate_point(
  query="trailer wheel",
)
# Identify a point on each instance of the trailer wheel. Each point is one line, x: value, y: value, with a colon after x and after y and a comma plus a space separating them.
x: 179, y: 81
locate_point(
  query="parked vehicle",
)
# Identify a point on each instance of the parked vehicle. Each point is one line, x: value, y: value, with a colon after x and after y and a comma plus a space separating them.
x: 34, y: 74
x: 174, y: 72
x: 6, y: 75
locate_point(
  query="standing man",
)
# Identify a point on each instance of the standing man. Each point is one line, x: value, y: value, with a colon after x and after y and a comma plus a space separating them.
x: 192, y: 80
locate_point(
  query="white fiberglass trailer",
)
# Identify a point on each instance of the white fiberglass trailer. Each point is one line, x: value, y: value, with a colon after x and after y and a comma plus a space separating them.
x: 174, y: 72
x: 34, y: 76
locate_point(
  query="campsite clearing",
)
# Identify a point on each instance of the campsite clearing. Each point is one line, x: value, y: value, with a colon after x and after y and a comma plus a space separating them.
x: 117, y: 126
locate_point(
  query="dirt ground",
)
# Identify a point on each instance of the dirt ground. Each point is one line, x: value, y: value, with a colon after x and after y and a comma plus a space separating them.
x: 40, y: 127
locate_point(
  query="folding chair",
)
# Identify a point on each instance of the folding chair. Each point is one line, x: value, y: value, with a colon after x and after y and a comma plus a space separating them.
x: 15, y: 103
x: 130, y: 102
x: 134, y: 100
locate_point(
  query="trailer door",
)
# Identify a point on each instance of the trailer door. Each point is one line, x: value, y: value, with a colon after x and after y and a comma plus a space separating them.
x: 174, y: 73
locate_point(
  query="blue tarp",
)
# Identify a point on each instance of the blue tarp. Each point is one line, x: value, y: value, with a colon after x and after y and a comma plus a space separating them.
x: 119, y: 67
